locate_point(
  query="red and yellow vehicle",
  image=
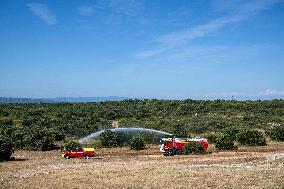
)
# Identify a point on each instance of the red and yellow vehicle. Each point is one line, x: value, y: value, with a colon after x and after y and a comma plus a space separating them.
x: 78, y: 152
x: 175, y: 146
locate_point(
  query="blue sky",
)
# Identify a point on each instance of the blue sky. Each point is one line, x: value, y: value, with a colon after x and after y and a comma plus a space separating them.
x: 197, y: 49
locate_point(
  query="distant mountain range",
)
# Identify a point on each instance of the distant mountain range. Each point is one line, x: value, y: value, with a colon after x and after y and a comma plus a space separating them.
x: 5, y: 100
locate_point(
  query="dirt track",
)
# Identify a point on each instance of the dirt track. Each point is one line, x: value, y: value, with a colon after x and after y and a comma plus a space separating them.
x: 249, y: 167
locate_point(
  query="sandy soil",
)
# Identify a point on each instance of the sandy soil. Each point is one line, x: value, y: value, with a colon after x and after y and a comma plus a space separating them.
x: 249, y: 167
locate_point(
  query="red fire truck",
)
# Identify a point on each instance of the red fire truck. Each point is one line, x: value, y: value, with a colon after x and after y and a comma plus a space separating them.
x: 78, y: 152
x: 175, y: 146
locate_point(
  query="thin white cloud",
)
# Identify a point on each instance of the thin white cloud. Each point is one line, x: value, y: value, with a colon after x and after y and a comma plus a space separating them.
x: 179, y: 38
x: 243, y: 6
x: 271, y: 92
x: 176, y: 39
x: 172, y: 40
x: 126, y: 7
x: 225, y: 5
x: 200, y: 54
x: 150, y: 53
x: 114, y: 11
x: 86, y: 10
x: 43, y: 12
x: 253, y: 7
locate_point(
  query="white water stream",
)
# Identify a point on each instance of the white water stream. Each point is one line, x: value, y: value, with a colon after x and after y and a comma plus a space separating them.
x: 131, y: 130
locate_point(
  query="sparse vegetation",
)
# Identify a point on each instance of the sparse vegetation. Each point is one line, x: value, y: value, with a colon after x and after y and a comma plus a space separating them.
x: 194, y: 148
x: 109, y: 139
x: 137, y: 143
x: 212, y: 137
x: 232, y: 132
x: 125, y: 168
x: 6, y: 148
x: 276, y: 133
x: 225, y: 142
x: 251, y: 138
x: 179, y: 131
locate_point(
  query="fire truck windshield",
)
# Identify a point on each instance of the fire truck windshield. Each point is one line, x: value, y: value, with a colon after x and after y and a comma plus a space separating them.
x: 164, y: 142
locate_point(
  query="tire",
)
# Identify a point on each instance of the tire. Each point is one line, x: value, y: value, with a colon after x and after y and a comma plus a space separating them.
x: 165, y: 154
x: 66, y: 156
x: 87, y: 157
x: 169, y: 152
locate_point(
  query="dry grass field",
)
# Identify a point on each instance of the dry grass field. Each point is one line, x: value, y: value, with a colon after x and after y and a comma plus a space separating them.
x: 249, y: 167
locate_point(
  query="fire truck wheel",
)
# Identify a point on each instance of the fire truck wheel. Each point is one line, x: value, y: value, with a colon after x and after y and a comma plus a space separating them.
x: 87, y: 157
x: 66, y: 156
x: 170, y: 152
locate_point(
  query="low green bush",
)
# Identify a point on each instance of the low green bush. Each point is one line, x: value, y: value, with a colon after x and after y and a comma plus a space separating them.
x: 276, y: 133
x: 194, y: 148
x: 231, y: 132
x: 72, y: 145
x: 251, y: 138
x: 38, y: 139
x: 6, y: 148
x: 137, y: 143
x: 212, y: 137
x: 224, y: 142
x: 109, y: 139
x: 179, y: 131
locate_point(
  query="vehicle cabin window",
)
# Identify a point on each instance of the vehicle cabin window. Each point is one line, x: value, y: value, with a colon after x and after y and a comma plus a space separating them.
x: 164, y: 142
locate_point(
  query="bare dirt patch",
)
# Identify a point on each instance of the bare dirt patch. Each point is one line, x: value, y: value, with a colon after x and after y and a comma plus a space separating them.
x: 249, y: 167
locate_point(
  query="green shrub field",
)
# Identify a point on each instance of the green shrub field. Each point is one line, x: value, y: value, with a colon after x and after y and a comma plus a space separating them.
x: 38, y: 126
